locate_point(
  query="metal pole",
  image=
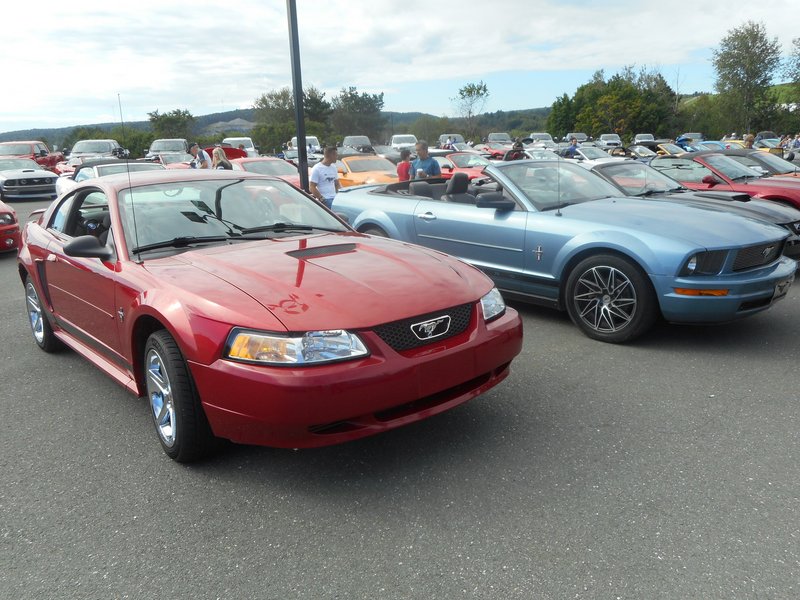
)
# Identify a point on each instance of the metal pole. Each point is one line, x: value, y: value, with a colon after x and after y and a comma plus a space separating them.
x: 297, y: 84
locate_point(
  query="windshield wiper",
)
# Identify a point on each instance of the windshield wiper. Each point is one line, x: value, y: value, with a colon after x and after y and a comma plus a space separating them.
x: 182, y: 242
x: 279, y: 227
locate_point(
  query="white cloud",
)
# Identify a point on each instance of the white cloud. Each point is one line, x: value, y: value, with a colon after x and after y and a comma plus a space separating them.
x: 73, y: 60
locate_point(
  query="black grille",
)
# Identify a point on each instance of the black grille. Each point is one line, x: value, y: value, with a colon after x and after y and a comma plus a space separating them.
x: 399, y: 335
x: 794, y: 227
x: 755, y: 256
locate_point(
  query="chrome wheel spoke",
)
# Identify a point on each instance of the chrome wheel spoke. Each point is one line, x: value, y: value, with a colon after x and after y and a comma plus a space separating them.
x: 35, y: 316
x: 159, y: 393
x: 605, y: 299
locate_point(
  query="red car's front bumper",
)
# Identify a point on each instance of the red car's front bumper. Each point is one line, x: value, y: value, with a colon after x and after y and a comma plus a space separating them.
x: 329, y: 404
x: 9, y: 237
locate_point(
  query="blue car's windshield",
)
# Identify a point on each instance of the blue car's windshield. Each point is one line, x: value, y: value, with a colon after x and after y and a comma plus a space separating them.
x: 550, y: 184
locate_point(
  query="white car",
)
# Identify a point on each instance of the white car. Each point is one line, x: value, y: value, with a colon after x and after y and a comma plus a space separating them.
x: 24, y: 179
x: 100, y: 148
x: 311, y: 140
x: 609, y: 140
x: 405, y: 141
x: 167, y: 146
x: 100, y: 168
x: 247, y: 142
x: 589, y: 156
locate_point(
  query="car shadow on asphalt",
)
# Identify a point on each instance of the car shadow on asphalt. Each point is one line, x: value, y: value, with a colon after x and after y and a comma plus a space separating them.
x: 424, y: 453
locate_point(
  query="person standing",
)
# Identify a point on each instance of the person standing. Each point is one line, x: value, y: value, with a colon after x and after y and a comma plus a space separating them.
x: 404, y: 166
x: 324, y: 181
x: 572, y: 149
x: 424, y: 166
x: 200, y: 159
x: 219, y: 160
x: 749, y: 139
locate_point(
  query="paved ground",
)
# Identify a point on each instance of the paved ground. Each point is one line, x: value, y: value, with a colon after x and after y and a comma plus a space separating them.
x: 663, y: 469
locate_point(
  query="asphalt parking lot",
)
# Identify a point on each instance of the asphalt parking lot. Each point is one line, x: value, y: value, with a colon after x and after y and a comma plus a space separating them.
x: 667, y: 468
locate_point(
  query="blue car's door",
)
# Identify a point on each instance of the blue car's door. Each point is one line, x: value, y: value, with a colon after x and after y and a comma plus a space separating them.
x: 490, y: 239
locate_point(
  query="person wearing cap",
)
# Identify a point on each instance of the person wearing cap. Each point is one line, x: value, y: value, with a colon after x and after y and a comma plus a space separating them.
x: 200, y: 159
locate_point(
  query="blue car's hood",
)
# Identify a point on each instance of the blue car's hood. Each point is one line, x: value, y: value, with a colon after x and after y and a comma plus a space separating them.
x: 705, y: 227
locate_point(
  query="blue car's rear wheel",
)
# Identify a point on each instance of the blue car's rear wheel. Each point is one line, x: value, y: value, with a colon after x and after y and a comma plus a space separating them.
x: 610, y: 299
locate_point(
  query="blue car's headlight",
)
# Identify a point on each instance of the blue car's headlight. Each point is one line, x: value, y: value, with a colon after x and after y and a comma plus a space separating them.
x: 492, y: 305
x: 709, y: 262
x: 310, y: 348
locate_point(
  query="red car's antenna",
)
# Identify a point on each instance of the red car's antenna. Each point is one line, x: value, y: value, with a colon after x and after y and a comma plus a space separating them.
x: 130, y: 187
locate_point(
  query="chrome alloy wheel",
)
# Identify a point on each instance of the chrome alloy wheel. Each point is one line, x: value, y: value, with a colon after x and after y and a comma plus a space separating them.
x: 605, y: 299
x: 35, y: 315
x: 159, y: 392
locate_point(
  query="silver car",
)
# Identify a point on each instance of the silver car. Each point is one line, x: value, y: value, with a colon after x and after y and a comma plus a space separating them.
x: 23, y: 179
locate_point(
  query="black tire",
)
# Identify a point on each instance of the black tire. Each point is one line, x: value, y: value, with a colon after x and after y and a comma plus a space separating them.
x: 178, y: 416
x: 376, y: 231
x: 37, y: 318
x: 610, y: 299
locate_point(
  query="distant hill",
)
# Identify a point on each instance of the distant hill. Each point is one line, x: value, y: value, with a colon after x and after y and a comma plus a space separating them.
x: 244, y: 120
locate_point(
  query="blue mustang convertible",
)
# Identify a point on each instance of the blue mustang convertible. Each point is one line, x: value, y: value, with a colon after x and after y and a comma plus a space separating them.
x: 553, y: 233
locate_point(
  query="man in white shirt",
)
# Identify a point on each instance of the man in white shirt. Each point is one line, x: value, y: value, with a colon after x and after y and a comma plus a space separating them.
x: 325, y: 178
x: 200, y: 159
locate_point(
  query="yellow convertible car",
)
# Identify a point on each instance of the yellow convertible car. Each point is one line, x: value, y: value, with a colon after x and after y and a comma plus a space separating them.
x: 358, y: 170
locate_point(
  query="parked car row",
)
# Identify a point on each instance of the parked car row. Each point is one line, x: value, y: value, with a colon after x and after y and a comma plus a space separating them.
x: 243, y: 309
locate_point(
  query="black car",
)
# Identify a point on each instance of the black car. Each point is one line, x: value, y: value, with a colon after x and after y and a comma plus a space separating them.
x: 762, y: 162
x: 635, y: 178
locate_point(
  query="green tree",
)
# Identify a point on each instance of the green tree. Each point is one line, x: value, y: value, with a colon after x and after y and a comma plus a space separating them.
x: 429, y: 128
x: 791, y: 69
x: 275, y: 118
x: 469, y: 103
x: 358, y: 114
x: 745, y: 63
x: 85, y: 133
x: 561, y: 117
x: 317, y: 111
x: 136, y: 141
x: 173, y: 124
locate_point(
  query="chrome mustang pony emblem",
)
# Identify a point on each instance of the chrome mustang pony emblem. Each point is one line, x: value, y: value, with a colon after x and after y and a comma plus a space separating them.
x: 433, y: 328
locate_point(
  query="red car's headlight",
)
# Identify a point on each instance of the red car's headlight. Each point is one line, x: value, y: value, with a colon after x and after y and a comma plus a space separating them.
x: 310, y: 348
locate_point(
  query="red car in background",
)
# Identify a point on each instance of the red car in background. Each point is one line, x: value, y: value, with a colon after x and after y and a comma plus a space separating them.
x: 461, y: 162
x: 35, y: 150
x: 241, y: 308
x: 714, y: 171
x: 496, y: 150
x: 269, y: 165
x: 9, y: 228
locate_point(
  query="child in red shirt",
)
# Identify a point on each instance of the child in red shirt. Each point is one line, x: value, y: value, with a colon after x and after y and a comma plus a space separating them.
x: 404, y: 166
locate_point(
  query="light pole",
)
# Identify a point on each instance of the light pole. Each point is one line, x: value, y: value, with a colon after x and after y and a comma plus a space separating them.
x: 297, y: 84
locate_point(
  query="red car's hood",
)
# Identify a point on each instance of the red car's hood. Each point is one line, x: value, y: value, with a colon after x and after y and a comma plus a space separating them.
x: 346, y: 281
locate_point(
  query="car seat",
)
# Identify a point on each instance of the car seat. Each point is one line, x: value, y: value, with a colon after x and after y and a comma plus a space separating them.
x: 456, y: 190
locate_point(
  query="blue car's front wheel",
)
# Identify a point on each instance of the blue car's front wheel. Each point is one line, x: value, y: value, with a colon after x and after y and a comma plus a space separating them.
x: 610, y: 299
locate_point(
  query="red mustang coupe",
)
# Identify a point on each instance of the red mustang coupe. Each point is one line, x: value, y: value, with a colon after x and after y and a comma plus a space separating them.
x: 269, y: 165
x: 715, y: 171
x: 9, y: 228
x: 462, y: 162
x: 243, y: 309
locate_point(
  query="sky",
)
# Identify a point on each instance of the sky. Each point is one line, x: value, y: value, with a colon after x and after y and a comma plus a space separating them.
x: 68, y: 64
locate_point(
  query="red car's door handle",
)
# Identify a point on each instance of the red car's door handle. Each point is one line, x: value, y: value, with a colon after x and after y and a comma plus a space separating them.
x: 426, y: 216
x: 52, y: 258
